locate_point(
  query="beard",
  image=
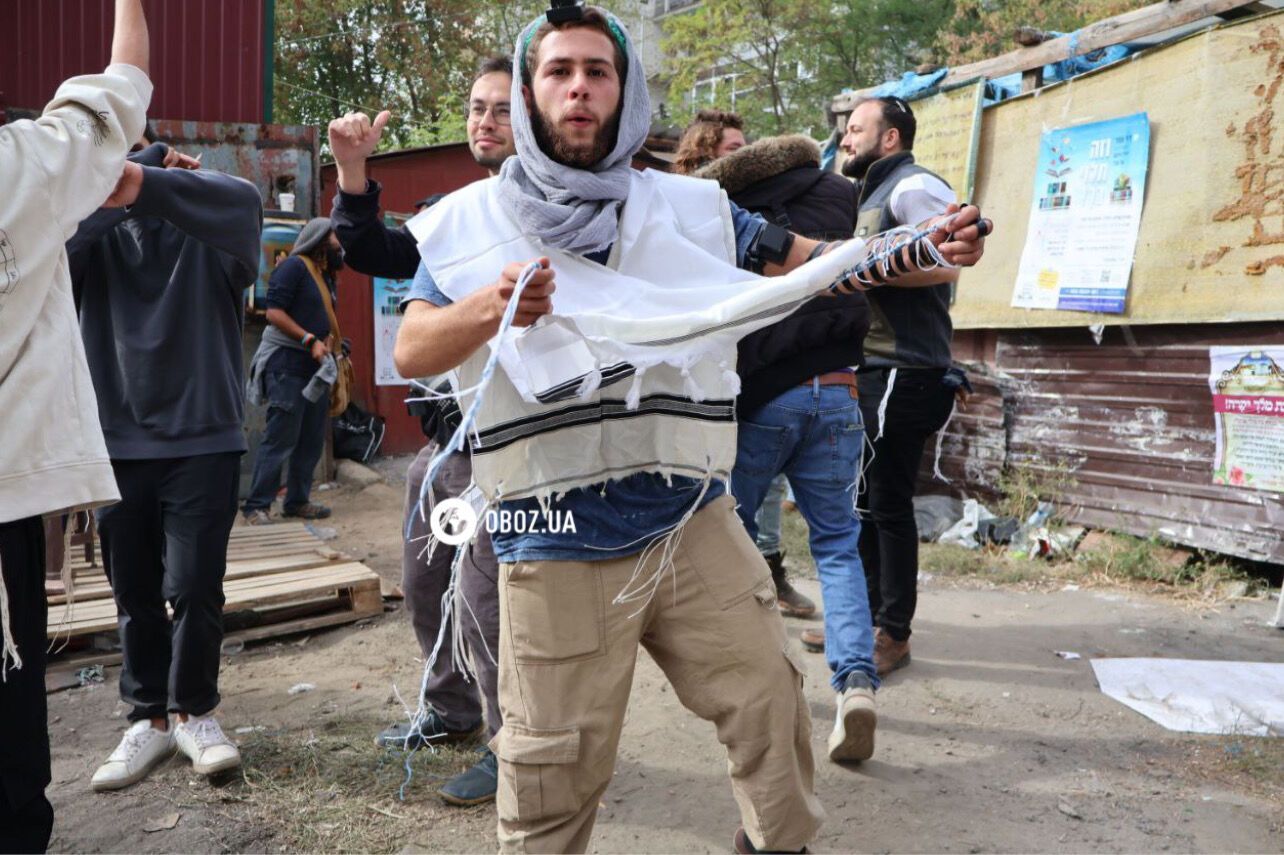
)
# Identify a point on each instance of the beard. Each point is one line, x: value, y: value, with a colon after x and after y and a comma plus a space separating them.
x: 858, y: 165
x: 559, y: 149
x: 490, y: 162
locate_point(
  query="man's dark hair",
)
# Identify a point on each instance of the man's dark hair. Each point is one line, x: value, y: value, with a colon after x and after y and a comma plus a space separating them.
x: 592, y: 19
x: 494, y: 65
x: 897, y: 114
x: 149, y: 133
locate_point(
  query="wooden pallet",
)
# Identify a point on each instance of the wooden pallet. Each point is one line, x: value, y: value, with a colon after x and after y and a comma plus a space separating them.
x: 284, y: 575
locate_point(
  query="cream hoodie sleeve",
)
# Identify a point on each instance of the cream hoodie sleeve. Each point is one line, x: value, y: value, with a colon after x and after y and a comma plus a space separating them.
x: 54, y: 172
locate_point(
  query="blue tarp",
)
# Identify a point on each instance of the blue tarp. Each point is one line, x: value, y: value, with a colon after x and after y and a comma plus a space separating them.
x: 912, y: 85
x: 1009, y: 86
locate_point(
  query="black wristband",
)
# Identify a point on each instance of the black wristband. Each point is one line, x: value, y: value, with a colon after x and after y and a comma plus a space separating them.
x: 770, y: 246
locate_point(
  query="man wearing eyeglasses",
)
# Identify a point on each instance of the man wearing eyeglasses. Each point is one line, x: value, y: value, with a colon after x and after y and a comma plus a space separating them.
x: 907, y: 383
x: 371, y: 247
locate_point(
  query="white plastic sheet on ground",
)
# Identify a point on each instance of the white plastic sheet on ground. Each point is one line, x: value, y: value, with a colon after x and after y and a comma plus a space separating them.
x: 1199, y: 696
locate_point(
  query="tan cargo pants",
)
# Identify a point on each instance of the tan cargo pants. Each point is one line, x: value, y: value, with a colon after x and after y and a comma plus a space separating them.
x: 566, y: 666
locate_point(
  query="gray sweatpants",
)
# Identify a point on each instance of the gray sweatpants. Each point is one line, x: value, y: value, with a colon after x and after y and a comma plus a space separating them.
x: 424, y: 582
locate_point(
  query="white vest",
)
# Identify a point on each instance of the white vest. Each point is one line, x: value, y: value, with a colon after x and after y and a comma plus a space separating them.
x: 635, y: 369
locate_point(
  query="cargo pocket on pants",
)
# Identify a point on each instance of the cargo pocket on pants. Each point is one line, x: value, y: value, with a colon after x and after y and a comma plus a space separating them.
x: 555, y: 612
x: 539, y: 769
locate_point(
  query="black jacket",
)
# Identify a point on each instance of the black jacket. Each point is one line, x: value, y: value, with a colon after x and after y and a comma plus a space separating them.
x: 781, y: 179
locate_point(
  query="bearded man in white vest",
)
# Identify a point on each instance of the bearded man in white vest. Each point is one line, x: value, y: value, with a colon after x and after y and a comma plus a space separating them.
x: 636, y: 453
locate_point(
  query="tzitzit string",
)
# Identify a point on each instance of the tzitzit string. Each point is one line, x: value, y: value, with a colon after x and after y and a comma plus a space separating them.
x: 449, y: 615
x: 469, y: 418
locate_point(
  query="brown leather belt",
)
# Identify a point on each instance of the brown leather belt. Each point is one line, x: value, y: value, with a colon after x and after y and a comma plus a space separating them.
x: 833, y: 378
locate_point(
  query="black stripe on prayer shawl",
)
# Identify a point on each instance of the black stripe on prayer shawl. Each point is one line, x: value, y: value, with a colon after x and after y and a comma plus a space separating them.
x: 500, y: 436
x: 765, y: 313
x: 571, y: 388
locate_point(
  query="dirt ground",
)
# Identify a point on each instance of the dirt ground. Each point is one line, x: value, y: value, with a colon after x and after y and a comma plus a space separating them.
x: 988, y: 742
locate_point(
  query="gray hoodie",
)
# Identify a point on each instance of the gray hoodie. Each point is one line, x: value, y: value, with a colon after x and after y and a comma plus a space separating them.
x: 160, y: 288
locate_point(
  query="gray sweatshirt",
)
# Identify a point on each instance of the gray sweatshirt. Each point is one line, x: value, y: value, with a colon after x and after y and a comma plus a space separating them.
x: 160, y: 290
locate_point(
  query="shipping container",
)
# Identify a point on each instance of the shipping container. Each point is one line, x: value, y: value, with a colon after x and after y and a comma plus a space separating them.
x: 211, y: 60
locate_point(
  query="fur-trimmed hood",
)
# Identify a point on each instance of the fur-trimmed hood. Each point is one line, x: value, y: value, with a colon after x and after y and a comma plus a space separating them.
x: 763, y: 159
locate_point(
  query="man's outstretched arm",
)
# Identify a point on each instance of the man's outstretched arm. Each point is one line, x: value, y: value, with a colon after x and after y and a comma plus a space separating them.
x: 962, y: 245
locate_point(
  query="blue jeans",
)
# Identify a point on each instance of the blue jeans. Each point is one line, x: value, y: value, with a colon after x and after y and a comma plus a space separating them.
x: 814, y: 435
x: 768, y: 517
x: 295, y: 434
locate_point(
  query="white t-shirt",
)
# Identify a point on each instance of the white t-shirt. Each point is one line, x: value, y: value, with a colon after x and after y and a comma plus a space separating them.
x: 920, y: 197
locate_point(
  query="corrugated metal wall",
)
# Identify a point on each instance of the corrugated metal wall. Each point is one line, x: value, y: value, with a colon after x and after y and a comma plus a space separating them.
x: 1131, y: 419
x: 207, y: 56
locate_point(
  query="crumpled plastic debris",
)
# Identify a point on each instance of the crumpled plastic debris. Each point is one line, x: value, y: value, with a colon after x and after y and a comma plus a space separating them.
x: 963, y: 532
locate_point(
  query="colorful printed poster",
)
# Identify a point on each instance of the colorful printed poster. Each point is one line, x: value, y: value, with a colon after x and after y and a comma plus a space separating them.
x: 1085, y: 217
x: 1248, y: 407
x: 388, y: 294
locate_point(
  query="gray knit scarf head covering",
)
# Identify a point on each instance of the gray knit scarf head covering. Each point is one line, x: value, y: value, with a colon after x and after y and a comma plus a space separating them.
x: 573, y: 209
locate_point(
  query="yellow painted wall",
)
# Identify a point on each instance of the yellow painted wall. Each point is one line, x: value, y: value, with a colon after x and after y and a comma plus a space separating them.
x: 1211, y: 245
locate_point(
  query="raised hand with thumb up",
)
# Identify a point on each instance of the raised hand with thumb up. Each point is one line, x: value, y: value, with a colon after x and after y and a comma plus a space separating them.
x: 353, y: 138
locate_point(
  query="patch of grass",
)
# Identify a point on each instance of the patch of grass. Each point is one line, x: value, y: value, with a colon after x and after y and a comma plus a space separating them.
x: 1249, y: 764
x: 1128, y: 561
x: 1134, y: 559
x: 1023, y: 486
x: 332, y: 790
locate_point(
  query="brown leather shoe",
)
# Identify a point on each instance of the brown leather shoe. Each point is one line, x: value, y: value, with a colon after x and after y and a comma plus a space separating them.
x: 792, y: 603
x: 310, y: 511
x: 889, y: 654
x: 813, y: 640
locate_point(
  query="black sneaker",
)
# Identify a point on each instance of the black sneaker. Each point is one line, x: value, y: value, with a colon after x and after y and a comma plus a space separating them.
x: 744, y: 846
x: 473, y: 786
x: 432, y: 731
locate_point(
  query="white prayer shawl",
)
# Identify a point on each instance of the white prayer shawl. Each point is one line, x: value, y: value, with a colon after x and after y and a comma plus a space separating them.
x: 635, y: 369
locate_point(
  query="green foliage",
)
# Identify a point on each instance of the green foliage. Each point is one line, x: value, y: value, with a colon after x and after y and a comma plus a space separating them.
x: 407, y: 56
x: 783, y: 59
x: 979, y: 29
x: 1024, y: 485
x: 413, y: 57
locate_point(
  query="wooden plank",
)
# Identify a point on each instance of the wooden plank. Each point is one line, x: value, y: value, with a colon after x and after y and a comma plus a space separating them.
x: 241, y: 594
x: 1136, y: 24
x: 360, y: 583
x: 99, y: 588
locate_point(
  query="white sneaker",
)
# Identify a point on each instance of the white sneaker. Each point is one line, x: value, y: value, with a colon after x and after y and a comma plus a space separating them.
x: 141, y: 749
x: 202, y: 740
x: 853, y: 734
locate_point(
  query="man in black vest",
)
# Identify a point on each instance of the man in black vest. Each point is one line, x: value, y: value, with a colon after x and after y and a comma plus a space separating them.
x: 906, y: 384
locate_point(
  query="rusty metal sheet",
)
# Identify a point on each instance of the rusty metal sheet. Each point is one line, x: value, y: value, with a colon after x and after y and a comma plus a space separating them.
x: 974, y: 442
x: 207, y: 56
x: 1131, y: 420
x: 276, y: 158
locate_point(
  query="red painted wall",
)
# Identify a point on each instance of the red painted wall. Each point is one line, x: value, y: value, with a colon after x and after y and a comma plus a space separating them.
x: 207, y: 56
x: 406, y: 177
